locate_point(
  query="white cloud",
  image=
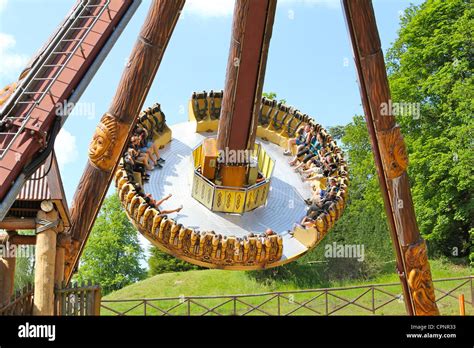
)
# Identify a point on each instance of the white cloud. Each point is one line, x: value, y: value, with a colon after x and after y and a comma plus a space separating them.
x: 65, y: 148
x: 332, y: 4
x: 3, y: 4
x: 12, y: 62
x: 209, y: 8
x: 225, y: 8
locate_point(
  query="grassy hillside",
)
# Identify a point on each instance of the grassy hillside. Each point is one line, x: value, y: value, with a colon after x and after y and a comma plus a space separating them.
x: 217, y: 282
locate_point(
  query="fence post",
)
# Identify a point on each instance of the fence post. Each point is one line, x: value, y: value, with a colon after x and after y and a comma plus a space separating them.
x: 326, y: 300
x: 144, y: 307
x: 189, y: 307
x: 63, y: 298
x: 373, y: 299
x: 89, y: 300
x: 278, y: 297
x: 472, y: 293
x: 462, y: 308
x: 97, y: 298
x: 81, y: 300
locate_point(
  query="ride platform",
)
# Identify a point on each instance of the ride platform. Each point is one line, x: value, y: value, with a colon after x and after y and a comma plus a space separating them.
x: 214, y: 229
x: 285, y: 203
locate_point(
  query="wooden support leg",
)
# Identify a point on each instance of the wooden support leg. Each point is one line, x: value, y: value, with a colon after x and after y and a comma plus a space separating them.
x: 7, y: 275
x: 391, y: 160
x: 112, y: 132
x: 45, y: 258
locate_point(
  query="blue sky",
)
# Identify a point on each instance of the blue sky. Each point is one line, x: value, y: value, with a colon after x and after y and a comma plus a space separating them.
x: 310, y: 61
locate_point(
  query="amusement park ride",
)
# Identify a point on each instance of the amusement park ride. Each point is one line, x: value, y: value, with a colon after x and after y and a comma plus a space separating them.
x: 226, y: 197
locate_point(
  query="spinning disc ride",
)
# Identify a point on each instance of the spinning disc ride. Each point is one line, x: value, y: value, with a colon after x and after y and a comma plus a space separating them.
x: 226, y: 166
x: 222, y: 226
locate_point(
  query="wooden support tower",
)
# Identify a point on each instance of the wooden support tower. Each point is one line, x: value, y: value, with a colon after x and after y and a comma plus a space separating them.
x: 113, y: 131
x: 391, y: 160
x: 251, y: 32
x: 48, y: 226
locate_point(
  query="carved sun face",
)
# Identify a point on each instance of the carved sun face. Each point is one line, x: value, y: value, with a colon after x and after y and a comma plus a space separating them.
x: 99, y: 145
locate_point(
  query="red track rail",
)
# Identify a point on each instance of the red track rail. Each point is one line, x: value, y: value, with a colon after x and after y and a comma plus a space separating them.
x: 59, y: 82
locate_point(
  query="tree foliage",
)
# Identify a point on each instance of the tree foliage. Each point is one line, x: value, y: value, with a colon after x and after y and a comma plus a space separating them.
x: 161, y: 262
x: 25, y: 266
x: 431, y: 63
x: 273, y: 95
x: 113, y: 253
x: 364, y: 221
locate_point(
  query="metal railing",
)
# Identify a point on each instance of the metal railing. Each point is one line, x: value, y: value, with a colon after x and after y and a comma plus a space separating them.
x: 376, y: 299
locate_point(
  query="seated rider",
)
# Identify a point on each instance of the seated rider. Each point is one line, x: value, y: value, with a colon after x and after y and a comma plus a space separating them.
x: 156, y: 204
x: 309, y: 151
x: 130, y: 165
x: 319, y: 207
x: 302, y: 139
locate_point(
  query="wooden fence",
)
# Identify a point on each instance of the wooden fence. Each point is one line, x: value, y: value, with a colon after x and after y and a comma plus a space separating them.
x: 21, y: 303
x: 377, y: 299
x: 77, y: 300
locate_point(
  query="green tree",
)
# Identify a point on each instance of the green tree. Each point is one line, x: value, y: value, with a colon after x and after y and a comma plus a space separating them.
x: 273, y: 95
x: 113, y: 253
x: 24, y: 268
x: 161, y: 262
x: 431, y: 64
x: 363, y: 222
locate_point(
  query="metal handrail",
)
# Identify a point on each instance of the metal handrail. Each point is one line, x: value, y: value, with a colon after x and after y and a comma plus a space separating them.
x: 306, y: 303
x: 285, y: 291
x: 53, y: 79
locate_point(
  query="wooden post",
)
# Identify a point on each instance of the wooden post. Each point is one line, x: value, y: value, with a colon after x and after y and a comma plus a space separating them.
x: 97, y: 300
x: 59, y: 268
x: 63, y: 243
x: 48, y: 225
x: 7, y: 272
x: 391, y: 160
x: 251, y: 32
x: 462, y: 305
x: 112, y: 133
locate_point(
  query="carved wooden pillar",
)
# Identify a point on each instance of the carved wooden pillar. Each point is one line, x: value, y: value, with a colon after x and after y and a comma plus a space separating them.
x: 112, y: 132
x: 7, y: 272
x: 391, y: 159
x: 47, y: 228
x: 251, y: 32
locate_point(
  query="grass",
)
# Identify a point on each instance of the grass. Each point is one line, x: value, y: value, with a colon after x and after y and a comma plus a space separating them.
x: 218, y: 282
